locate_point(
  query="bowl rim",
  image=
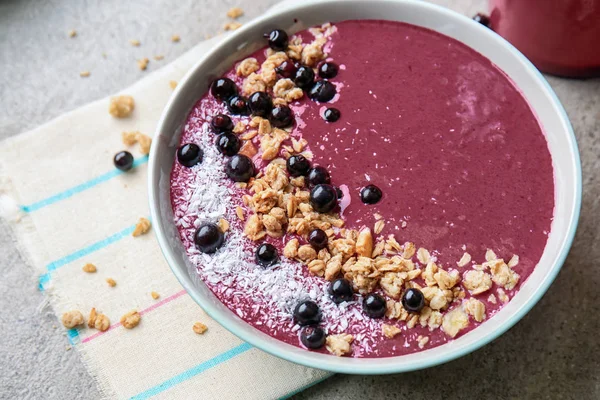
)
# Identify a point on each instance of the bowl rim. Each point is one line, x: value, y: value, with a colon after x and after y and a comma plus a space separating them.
x: 354, y: 367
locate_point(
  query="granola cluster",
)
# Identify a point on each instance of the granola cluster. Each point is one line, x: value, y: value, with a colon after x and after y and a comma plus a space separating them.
x: 259, y: 78
x: 280, y: 205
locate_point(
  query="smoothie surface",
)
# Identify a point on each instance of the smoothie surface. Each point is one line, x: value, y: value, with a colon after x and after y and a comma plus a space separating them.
x: 460, y: 157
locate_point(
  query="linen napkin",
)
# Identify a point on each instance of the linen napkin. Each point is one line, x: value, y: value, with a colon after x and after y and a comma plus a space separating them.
x: 75, y: 208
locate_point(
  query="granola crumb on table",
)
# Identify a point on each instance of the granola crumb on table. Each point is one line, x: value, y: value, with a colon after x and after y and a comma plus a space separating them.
x: 143, y: 63
x: 72, y: 318
x: 92, y: 318
x: 98, y: 321
x: 131, y: 319
x: 155, y: 295
x: 235, y: 12
x: 89, y: 268
x: 142, y: 227
x: 132, y: 137
x: 199, y: 328
x: 102, y: 323
x: 231, y: 26
x: 121, y: 106
x: 111, y: 282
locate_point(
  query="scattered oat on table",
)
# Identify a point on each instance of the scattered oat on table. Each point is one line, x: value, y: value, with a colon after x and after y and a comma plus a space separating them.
x: 131, y: 319
x: 143, y: 63
x: 89, y: 268
x: 102, y: 323
x: 72, y: 33
x: 132, y: 137
x: 84, y: 74
x: 173, y: 84
x: 72, y: 318
x: 143, y: 226
x: 175, y: 38
x: 235, y: 12
x: 199, y: 328
x: 111, y: 282
x: 98, y: 321
x: 135, y: 42
x: 121, y: 106
x: 158, y: 57
x: 231, y: 26
x: 92, y: 318
x: 129, y: 138
x: 155, y: 295
x: 144, y: 141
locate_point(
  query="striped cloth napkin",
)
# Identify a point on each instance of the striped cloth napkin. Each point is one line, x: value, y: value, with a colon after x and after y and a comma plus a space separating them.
x: 72, y: 207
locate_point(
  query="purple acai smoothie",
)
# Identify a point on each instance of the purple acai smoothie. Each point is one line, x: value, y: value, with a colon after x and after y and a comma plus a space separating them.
x: 457, y: 220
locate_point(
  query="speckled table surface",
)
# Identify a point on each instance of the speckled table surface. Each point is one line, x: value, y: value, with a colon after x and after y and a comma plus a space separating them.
x: 554, y: 352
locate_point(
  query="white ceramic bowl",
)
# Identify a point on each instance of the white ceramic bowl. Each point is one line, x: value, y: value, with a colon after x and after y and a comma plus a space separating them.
x: 563, y: 147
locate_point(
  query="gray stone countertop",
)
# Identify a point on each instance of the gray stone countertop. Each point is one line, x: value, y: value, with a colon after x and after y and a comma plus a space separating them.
x: 553, y: 353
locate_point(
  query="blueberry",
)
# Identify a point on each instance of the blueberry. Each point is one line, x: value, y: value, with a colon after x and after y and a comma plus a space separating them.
x: 260, y: 104
x: 281, y: 117
x: 238, y: 105
x: 297, y: 165
x: 307, y: 313
x: 413, y: 300
x: 266, y: 255
x: 370, y: 194
x: 223, y: 88
x: 228, y: 144
x: 189, y: 155
x: 221, y: 123
x: 240, y: 168
x: 339, y: 192
x: 318, y: 175
x: 331, y: 114
x: 340, y: 290
x: 287, y: 69
x: 328, y: 70
x: 323, y: 198
x: 322, y: 91
x: 304, y: 77
x: 278, y: 39
x: 318, y: 239
x: 208, y: 238
x: 374, y: 305
x: 313, y: 337
x: 482, y: 19
x: 123, y: 160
